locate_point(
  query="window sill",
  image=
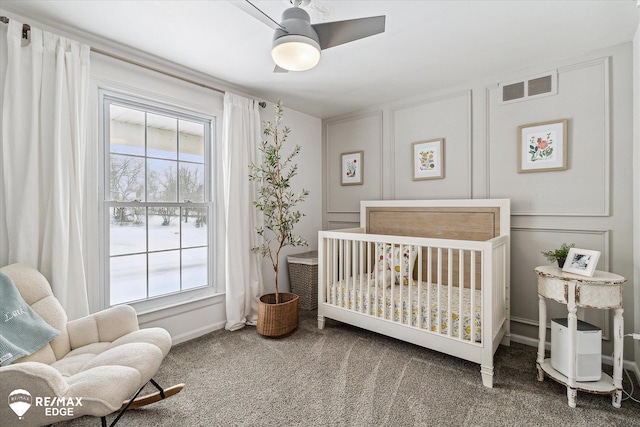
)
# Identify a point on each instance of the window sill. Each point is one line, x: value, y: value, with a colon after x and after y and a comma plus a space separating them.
x: 175, y: 304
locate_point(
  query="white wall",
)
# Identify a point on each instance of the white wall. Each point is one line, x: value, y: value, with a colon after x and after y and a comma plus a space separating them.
x: 590, y: 203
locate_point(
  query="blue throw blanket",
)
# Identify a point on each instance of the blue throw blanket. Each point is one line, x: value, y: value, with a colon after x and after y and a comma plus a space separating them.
x: 22, y: 331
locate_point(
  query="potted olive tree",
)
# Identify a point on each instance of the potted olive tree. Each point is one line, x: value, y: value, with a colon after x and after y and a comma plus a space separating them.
x: 277, y: 312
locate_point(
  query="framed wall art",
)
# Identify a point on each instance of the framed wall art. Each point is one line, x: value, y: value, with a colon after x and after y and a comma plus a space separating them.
x: 352, y: 170
x: 542, y: 146
x: 428, y: 159
x: 581, y: 261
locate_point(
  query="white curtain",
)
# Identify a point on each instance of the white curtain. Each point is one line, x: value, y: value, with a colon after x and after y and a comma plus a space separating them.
x: 243, y: 277
x: 43, y: 158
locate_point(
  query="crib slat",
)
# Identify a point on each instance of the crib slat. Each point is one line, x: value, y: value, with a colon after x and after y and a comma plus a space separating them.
x: 419, y: 312
x: 393, y: 267
x: 449, y: 291
x: 333, y: 267
x: 384, y: 287
x: 347, y: 274
x: 374, y: 309
x: 375, y: 290
x: 385, y: 273
x: 354, y: 268
x: 361, y: 270
x: 410, y: 289
x: 439, y: 284
x: 368, y: 277
x: 400, y: 282
x: 429, y: 275
x: 328, y: 257
x: 460, y: 292
x: 472, y: 275
x: 341, y: 272
x: 354, y: 274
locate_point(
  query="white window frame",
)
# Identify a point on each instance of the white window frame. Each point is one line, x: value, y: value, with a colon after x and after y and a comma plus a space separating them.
x: 154, y: 303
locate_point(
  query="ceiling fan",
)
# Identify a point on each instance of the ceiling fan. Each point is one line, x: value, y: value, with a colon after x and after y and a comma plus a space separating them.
x: 297, y: 43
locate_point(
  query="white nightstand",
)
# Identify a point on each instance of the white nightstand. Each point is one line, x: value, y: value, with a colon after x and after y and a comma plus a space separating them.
x: 602, y: 290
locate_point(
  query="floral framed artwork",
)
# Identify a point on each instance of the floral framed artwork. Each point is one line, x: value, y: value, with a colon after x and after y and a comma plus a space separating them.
x: 542, y: 146
x: 352, y: 170
x: 581, y: 261
x: 428, y: 159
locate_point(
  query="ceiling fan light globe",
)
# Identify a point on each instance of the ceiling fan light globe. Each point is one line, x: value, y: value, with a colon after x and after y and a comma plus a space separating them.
x: 295, y: 53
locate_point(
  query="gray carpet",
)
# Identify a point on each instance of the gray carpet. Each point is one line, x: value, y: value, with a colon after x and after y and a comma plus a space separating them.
x: 344, y: 376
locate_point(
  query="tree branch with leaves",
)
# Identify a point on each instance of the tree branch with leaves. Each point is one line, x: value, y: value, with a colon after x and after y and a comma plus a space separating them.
x: 276, y: 200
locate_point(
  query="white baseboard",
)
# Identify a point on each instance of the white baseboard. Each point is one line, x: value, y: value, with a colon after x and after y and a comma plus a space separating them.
x: 197, y: 333
x: 629, y: 365
x: 531, y: 342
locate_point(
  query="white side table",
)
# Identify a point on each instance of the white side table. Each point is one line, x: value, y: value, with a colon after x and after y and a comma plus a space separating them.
x: 602, y: 290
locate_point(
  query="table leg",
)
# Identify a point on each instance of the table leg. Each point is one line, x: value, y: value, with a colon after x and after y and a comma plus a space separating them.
x: 618, y: 336
x: 572, y: 324
x: 542, y: 332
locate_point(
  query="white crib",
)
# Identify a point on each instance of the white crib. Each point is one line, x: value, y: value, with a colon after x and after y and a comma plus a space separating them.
x: 431, y: 272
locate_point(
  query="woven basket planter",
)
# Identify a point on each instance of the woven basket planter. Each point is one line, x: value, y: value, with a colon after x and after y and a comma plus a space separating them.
x: 277, y: 320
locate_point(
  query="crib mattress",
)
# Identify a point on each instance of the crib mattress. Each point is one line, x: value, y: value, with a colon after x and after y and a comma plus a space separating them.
x: 348, y: 296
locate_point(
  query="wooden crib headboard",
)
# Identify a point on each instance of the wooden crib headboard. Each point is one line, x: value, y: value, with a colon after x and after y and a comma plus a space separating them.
x: 473, y: 219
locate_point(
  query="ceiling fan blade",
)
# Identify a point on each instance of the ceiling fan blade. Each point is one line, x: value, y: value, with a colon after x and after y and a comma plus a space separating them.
x: 279, y: 69
x: 253, y: 10
x: 339, y: 32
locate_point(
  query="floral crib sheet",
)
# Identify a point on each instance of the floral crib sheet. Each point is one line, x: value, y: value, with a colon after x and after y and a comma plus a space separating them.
x: 339, y: 294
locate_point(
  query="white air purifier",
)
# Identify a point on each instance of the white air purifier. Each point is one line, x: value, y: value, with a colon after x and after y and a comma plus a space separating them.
x: 588, y: 350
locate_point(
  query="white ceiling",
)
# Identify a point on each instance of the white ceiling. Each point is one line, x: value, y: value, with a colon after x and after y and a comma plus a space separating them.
x: 427, y: 45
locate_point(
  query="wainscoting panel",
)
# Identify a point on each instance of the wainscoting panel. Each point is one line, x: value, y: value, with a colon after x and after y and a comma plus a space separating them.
x: 358, y: 133
x: 447, y: 117
x: 583, y: 188
x: 526, y: 247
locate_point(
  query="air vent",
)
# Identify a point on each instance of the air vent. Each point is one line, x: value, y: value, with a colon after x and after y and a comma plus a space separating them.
x: 514, y: 91
x: 539, y: 86
x: 545, y: 84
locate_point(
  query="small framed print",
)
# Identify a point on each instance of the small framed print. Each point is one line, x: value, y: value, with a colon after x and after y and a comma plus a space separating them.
x: 581, y: 261
x: 542, y: 146
x: 352, y: 170
x: 428, y: 159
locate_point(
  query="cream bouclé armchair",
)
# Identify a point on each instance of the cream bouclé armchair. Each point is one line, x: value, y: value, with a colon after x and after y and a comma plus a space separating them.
x: 95, y: 366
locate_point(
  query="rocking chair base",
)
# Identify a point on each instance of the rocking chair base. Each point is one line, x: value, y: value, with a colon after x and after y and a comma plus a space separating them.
x: 152, y: 398
x: 137, y: 402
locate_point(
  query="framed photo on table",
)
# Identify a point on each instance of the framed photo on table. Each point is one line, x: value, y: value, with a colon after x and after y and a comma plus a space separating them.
x: 428, y: 159
x: 581, y: 261
x: 542, y: 146
x: 352, y: 169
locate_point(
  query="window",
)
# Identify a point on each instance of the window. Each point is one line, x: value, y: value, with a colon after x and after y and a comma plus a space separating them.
x: 156, y: 199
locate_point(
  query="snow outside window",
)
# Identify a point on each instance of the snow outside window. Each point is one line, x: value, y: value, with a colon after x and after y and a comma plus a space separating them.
x: 156, y: 201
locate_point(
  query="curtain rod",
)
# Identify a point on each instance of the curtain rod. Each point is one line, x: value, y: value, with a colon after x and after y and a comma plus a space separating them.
x: 26, y: 28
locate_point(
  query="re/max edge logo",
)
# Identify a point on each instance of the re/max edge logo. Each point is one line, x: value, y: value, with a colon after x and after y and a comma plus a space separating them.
x: 20, y: 401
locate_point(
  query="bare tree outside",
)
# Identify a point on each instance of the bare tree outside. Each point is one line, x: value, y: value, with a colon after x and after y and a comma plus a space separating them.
x: 191, y: 181
x: 127, y: 184
x: 163, y: 188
